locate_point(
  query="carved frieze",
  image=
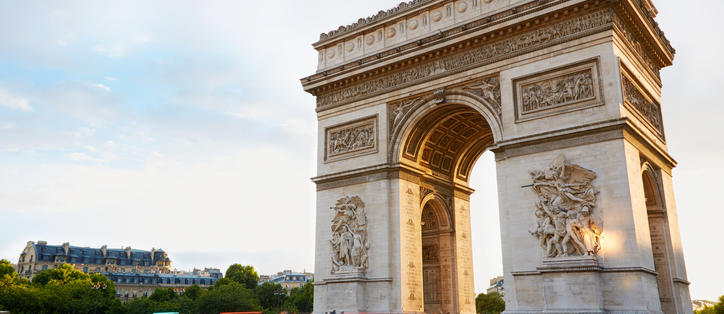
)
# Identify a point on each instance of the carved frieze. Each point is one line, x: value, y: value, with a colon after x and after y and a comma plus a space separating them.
x: 634, y: 41
x: 481, y: 55
x: 559, y: 90
x: 487, y: 88
x: 351, y: 139
x: 349, y: 236
x: 567, y: 221
x: 642, y: 104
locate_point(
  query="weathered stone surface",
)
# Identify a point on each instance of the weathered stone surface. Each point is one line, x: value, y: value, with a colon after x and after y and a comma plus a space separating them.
x: 408, y: 100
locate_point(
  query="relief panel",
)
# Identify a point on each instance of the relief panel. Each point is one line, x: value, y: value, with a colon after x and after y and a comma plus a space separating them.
x: 641, y: 103
x: 351, y: 139
x: 557, y: 91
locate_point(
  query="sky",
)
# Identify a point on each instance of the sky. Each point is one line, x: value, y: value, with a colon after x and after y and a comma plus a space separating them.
x: 182, y: 125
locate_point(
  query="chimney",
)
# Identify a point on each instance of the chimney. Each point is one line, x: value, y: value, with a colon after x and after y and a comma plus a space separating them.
x: 66, y: 248
x: 128, y: 251
x: 153, y: 254
x: 104, y: 250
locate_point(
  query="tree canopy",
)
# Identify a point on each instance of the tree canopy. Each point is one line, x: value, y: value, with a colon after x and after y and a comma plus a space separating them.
x: 715, y: 309
x: 245, y: 275
x: 68, y: 290
x: 491, y: 303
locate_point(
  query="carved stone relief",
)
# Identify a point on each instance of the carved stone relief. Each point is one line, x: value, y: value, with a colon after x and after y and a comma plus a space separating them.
x: 571, y: 88
x: 351, y: 139
x: 648, y: 109
x: 567, y: 221
x: 481, y: 55
x: 398, y: 110
x: 489, y: 89
x: 349, y: 236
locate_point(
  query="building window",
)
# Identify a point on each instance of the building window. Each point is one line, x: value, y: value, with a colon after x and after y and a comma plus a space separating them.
x: 85, y: 270
x: 45, y: 267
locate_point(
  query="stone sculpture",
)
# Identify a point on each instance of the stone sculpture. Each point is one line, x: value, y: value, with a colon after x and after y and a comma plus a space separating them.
x: 558, y: 91
x: 565, y: 224
x: 351, y: 139
x: 349, y: 236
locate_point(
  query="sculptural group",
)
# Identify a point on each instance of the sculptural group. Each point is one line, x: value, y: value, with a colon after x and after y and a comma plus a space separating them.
x: 565, y: 224
x: 349, y: 235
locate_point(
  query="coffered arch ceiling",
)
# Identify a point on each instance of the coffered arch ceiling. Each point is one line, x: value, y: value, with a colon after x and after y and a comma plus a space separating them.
x: 448, y: 140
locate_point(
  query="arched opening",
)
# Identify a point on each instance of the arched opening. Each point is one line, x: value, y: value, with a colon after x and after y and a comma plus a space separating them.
x: 440, y: 144
x: 660, y: 238
x: 436, y: 239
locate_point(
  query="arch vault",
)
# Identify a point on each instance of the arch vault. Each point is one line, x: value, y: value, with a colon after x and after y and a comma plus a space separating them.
x: 565, y: 93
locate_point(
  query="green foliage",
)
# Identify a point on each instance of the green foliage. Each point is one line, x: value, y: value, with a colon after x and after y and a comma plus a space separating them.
x: 61, y: 290
x: 716, y: 309
x: 193, y: 292
x: 245, y: 275
x: 67, y: 290
x: 233, y: 297
x: 163, y: 295
x: 271, y: 296
x: 223, y: 282
x: 301, y: 299
x: 491, y: 303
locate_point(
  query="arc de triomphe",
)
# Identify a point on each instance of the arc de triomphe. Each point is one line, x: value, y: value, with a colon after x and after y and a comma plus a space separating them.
x: 565, y: 93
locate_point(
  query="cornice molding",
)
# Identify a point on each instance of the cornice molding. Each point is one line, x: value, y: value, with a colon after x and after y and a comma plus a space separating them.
x: 462, y: 56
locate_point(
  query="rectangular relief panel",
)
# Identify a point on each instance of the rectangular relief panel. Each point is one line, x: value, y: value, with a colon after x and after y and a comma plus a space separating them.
x: 351, y: 139
x: 564, y: 89
x: 641, y: 104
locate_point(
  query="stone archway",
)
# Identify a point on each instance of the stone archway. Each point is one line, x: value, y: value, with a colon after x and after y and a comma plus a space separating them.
x: 565, y: 93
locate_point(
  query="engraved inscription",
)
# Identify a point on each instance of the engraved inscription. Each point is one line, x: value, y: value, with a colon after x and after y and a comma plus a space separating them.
x: 357, y: 137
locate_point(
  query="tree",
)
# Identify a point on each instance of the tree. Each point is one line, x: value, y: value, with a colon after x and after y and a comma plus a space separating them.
x: 301, y: 299
x: 715, y: 309
x: 193, y: 292
x: 491, y: 303
x: 233, y: 297
x: 245, y: 275
x: 163, y: 294
x: 271, y: 296
x: 64, y: 274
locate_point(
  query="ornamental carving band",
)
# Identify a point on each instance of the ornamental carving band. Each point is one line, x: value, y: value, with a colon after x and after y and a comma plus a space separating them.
x: 648, y: 109
x: 484, y: 54
x: 349, y: 236
x: 566, y: 216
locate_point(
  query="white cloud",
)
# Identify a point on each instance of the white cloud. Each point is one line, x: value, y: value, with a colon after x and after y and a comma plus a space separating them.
x: 8, y: 126
x: 101, y: 86
x: 110, y: 79
x: 110, y: 51
x: 14, y: 102
x: 79, y: 157
x: 82, y: 132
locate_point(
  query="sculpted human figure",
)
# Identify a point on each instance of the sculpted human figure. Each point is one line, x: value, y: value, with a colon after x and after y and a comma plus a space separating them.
x: 572, y: 234
x: 591, y: 231
x: 566, y: 198
x: 349, y: 242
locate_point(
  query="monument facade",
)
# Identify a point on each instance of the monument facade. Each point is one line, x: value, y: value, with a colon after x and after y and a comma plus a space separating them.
x: 565, y: 93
